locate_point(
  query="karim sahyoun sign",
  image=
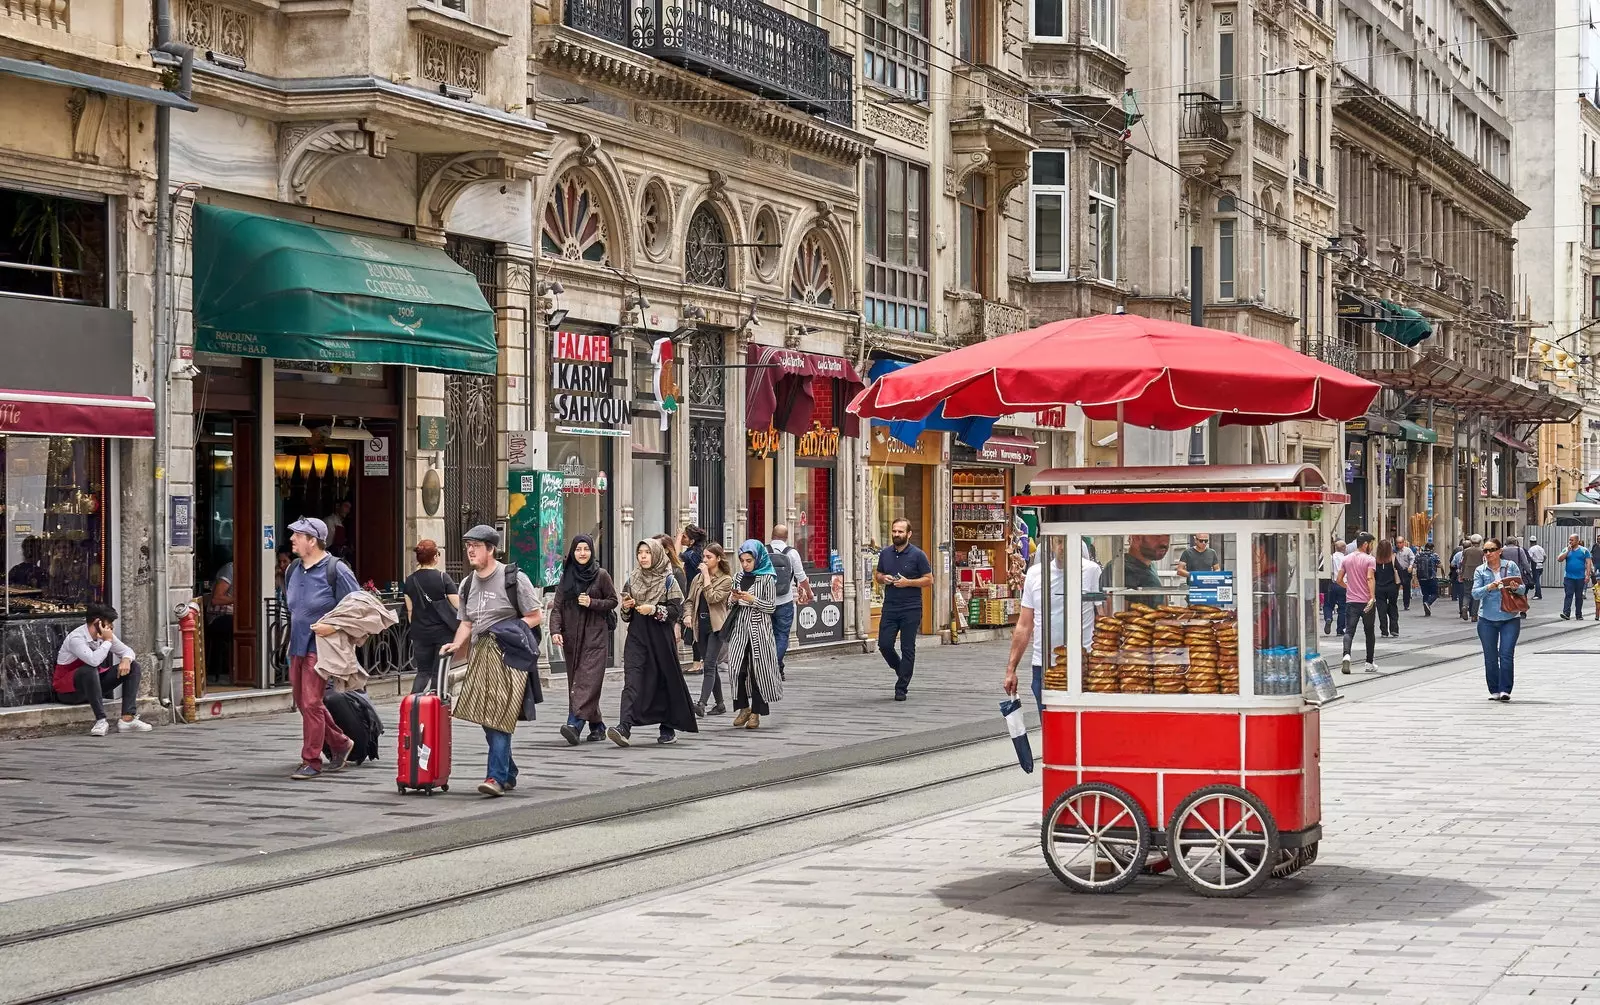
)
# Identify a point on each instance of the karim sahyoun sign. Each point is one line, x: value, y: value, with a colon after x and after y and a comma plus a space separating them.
x: 582, y: 381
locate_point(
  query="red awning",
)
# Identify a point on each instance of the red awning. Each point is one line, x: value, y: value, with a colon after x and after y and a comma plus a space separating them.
x: 1516, y: 444
x: 778, y: 387
x: 49, y: 413
x: 1017, y: 450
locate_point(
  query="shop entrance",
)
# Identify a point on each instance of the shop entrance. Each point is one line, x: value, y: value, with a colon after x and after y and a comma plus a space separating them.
x: 225, y: 556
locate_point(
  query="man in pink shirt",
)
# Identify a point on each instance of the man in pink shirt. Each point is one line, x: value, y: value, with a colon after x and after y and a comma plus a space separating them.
x: 1357, y: 575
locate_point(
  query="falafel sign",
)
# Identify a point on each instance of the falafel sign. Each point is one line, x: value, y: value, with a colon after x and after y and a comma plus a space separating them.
x: 581, y: 386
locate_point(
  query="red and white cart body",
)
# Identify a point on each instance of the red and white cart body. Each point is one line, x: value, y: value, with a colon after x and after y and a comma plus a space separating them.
x: 1175, y: 727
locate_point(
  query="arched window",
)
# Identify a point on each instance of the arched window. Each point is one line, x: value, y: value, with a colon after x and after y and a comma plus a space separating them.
x: 811, y: 280
x: 706, y: 250
x: 573, y: 226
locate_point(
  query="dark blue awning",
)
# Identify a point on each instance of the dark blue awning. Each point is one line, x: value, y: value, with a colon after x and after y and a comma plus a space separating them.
x: 974, y: 432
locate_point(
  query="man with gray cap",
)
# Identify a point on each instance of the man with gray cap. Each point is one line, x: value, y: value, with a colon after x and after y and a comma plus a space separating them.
x: 312, y: 587
x: 1471, y: 558
x: 486, y: 601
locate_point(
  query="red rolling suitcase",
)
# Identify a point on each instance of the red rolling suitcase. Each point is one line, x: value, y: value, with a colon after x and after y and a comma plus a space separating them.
x: 424, y: 761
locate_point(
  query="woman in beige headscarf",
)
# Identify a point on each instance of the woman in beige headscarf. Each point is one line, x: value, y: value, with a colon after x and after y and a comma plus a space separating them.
x: 653, y: 688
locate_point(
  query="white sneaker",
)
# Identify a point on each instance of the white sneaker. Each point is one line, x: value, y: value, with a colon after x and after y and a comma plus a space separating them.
x: 1370, y: 667
x: 134, y: 725
x: 1344, y: 665
x: 101, y: 727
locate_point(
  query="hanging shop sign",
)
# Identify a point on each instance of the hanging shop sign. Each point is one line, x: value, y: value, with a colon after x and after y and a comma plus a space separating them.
x: 1006, y: 450
x: 819, y: 444
x: 883, y: 448
x: 582, y: 385
x: 433, y: 433
x: 764, y: 442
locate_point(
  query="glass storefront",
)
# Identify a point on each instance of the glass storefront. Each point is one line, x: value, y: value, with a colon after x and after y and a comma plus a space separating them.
x: 585, y: 466
x: 58, y: 553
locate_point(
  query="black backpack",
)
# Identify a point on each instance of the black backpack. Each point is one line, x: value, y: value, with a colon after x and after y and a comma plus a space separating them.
x: 512, y: 593
x: 785, y: 571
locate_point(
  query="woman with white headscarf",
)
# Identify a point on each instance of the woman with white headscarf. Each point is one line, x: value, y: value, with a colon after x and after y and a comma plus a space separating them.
x: 653, y: 689
x: 752, y: 655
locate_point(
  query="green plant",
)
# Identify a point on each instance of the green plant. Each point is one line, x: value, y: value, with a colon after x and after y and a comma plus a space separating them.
x: 44, y: 230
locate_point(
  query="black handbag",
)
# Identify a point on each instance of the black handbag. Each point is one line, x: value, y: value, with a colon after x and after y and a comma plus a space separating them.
x: 441, y: 605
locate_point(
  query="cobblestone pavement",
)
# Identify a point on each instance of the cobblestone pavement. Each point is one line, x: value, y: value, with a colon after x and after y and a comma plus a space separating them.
x: 1458, y: 866
x: 77, y: 811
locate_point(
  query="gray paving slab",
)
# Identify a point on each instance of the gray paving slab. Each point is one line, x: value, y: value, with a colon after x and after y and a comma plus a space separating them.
x: 1456, y: 867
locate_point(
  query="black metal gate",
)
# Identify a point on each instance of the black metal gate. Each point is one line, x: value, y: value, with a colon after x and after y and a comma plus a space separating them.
x: 708, y: 468
x: 470, y: 481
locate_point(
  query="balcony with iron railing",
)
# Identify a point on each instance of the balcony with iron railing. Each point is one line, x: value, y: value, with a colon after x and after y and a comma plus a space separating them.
x: 1203, y: 133
x: 745, y: 43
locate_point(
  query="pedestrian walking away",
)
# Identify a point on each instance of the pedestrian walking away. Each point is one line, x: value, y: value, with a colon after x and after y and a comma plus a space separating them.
x: 691, y: 552
x: 752, y: 651
x: 1405, y: 563
x: 1386, y: 589
x: 1427, y: 572
x: 582, y: 619
x: 653, y: 689
x: 432, y: 614
x: 1471, y: 558
x: 903, y: 572
x: 84, y: 676
x: 793, y: 586
x: 500, y: 610
x: 312, y: 588
x: 1333, y: 598
x: 1358, y: 576
x: 1029, y: 630
x: 1536, y: 554
x: 707, y: 612
x: 1577, y: 568
x: 1498, y: 585
x: 1455, y: 571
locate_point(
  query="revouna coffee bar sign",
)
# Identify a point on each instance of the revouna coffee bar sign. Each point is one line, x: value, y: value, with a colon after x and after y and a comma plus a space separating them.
x: 582, y: 384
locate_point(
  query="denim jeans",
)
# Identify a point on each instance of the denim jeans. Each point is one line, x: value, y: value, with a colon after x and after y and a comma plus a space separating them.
x: 782, y: 624
x: 1499, y: 640
x: 1038, y: 687
x: 1537, y: 582
x: 1430, y: 591
x: 1573, y: 601
x: 906, y: 624
x: 502, y: 766
x: 1333, y: 604
x: 1362, y: 615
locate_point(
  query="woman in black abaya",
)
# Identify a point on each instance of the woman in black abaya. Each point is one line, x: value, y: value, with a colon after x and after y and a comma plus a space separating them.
x: 653, y: 688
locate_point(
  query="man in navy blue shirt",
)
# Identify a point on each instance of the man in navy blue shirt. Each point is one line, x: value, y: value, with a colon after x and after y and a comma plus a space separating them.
x: 312, y: 587
x: 904, y: 572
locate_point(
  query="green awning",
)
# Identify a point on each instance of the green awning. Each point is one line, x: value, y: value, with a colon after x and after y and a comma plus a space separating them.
x: 281, y: 289
x: 1416, y: 433
x: 1404, y: 325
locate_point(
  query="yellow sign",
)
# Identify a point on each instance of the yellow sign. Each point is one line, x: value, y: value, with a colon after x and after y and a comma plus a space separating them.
x: 765, y: 442
x: 819, y: 444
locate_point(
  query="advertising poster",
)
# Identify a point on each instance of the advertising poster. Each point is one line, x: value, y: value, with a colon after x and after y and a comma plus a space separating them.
x: 822, y: 620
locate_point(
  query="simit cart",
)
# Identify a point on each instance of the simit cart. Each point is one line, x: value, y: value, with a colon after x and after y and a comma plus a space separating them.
x: 1177, y: 730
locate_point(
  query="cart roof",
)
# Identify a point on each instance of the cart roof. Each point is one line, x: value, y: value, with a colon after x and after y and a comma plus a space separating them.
x: 1191, y: 478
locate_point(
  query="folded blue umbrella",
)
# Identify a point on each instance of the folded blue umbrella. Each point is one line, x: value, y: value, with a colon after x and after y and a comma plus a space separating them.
x: 1011, y: 708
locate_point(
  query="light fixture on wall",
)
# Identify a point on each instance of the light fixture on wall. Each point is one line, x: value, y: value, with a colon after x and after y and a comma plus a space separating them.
x: 225, y: 60
x: 304, y: 464
x: 283, y: 465
x: 340, y: 462
x: 548, y: 290
x: 319, y: 464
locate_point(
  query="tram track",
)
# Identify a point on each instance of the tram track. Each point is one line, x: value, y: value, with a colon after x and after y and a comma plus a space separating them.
x: 331, y: 886
x: 449, y: 848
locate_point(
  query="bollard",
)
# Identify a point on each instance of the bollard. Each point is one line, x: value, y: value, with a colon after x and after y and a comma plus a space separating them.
x: 188, y: 624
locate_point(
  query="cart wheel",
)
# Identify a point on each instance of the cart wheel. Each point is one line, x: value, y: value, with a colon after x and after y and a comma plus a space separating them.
x: 1095, y: 838
x: 1222, y: 841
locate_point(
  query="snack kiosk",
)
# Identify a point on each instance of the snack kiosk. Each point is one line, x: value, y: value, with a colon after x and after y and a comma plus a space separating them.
x: 1180, y: 711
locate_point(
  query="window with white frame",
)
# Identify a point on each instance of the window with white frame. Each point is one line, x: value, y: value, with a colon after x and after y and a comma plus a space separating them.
x: 1049, y: 199
x: 1103, y: 24
x: 1049, y: 20
x: 1103, y: 219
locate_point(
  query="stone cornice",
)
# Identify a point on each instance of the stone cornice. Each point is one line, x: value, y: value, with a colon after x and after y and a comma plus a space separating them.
x: 1412, y: 143
x: 597, y: 61
x: 398, y: 109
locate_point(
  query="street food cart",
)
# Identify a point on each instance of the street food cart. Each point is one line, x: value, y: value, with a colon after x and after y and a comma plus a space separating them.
x: 1175, y: 728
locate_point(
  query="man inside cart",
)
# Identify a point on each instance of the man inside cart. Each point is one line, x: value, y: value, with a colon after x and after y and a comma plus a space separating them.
x: 1029, y: 627
x: 1199, y: 557
x: 1144, y: 551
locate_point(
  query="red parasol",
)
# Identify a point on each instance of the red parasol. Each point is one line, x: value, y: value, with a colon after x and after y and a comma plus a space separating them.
x: 1163, y: 375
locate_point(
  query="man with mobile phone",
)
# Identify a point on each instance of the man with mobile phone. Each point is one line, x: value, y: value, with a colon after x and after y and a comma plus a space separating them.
x: 83, y: 676
x: 904, y: 572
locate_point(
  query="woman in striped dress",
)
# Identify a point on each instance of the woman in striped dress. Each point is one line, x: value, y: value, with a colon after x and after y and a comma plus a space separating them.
x: 752, y: 656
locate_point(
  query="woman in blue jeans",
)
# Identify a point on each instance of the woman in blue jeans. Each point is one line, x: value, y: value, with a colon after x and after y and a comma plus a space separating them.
x: 1497, y: 629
